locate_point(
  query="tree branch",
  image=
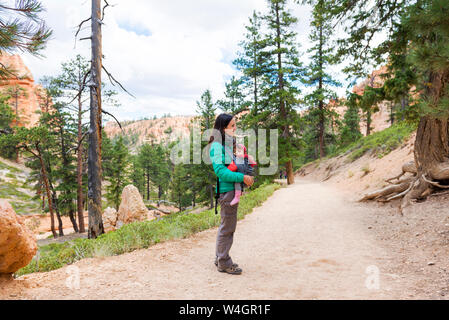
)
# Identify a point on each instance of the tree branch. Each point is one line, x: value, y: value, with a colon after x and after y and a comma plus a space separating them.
x: 118, y: 122
x: 112, y: 79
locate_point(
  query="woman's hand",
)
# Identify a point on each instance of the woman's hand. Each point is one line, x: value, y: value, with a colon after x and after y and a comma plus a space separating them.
x: 248, y: 180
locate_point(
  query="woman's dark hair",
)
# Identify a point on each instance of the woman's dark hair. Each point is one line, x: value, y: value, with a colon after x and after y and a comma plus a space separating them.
x: 221, y: 123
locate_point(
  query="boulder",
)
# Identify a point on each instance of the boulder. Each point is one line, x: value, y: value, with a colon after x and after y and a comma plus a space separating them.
x: 109, y: 219
x: 17, y: 243
x: 132, y: 207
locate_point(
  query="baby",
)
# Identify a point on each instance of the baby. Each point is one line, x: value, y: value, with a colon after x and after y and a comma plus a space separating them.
x: 245, y: 164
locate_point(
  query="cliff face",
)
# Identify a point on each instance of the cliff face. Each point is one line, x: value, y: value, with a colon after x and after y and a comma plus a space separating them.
x: 380, y: 119
x: 26, y: 97
x: 140, y: 132
x: 375, y: 80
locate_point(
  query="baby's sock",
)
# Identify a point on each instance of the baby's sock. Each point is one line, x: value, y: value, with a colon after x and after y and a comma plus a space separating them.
x: 236, y: 199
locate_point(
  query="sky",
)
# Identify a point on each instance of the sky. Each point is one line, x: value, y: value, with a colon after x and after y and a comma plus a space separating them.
x: 166, y: 53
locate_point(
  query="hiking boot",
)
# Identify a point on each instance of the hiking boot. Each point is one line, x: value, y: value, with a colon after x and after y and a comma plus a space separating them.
x: 231, y: 270
x: 216, y: 263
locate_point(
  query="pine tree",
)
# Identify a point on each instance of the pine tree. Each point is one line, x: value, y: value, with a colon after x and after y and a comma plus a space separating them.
x: 72, y: 81
x: 206, y: 108
x: 234, y: 102
x: 203, y: 174
x: 34, y: 140
x: 21, y: 29
x: 180, y: 186
x: 317, y: 76
x: 251, y: 62
x: 116, y: 171
x: 350, y: 130
x: 282, y: 73
x: 16, y: 92
x: 61, y: 163
x: 137, y: 176
x: 145, y: 158
x: 153, y: 161
x: 7, y: 117
x: 369, y: 104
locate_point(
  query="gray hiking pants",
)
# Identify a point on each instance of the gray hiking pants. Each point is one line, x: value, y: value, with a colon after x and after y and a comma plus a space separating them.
x: 226, y: 230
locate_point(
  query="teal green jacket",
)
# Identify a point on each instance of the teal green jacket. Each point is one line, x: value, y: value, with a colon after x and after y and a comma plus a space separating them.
x: 219, y: 159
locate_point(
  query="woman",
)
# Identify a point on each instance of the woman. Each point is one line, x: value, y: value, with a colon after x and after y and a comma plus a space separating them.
x: 222, y: 149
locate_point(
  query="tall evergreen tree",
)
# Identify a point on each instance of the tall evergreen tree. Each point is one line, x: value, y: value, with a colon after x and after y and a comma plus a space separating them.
x: 180, y: 186
x: 206, y: 108
x: 7, y: 117
x: 137, y: 176
x: 282, y: 74
x: 350, y: 130
x: 369, y: 104
x: 322, y: 58
x: 251, y: 62
x: 234, y: 101
x: 202, y: 174
x: 61, y: 161
x: 33, y: 140
x: 72, y: 81
x: 116, y: 171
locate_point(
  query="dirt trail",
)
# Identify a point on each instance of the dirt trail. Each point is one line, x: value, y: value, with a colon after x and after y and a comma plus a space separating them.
x: 306, y: 242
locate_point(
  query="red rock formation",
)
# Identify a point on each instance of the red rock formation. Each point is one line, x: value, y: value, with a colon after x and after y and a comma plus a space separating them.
x: 26, y: 97
x: 157, y: 130
x: 375, y: 80
x: 380, y: 120
x: 17, y: 243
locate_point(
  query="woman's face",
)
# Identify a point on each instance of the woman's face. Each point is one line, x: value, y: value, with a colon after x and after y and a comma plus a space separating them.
x: 230, y: 129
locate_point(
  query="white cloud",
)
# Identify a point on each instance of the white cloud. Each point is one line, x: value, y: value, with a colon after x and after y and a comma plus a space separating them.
x: 164, y: 52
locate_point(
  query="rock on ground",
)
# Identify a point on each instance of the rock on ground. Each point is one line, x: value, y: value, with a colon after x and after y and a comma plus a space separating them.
x: 17, y: 242
x: 132, y: 207
x: 109, y: 219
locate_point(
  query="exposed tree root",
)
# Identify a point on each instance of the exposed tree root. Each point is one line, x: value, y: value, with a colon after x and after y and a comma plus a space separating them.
x: 410, y: 189
x: 401, y: 194
x: 440, y: 171
x: 386, y: 192
x: 408, y: 167
x: 433, y: 183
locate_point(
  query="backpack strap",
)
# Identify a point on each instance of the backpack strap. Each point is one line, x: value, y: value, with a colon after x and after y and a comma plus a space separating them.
x: 217, y: 195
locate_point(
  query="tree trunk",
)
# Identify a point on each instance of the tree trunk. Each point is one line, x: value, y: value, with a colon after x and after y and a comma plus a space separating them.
x: 432, y: 148
x: 404, y: 104
x: 368, y: 122
x: 282, y: 107
x: 73, y: 220
x: 79, y: 170
x: 321, y: 102
x: 58, y: 215
x: 432, y: 137
x: 148, y: 186
x: 47, y: 190
x: 94, y: 162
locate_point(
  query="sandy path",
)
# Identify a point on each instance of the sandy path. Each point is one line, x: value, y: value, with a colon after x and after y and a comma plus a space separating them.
x: 305, y: 242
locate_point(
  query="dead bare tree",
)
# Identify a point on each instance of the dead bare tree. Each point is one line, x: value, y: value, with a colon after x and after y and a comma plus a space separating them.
x: 95, y: 84
x: 94, y: 153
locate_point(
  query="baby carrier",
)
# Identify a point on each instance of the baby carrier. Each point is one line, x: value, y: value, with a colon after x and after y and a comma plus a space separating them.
x: 217, y: 194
